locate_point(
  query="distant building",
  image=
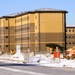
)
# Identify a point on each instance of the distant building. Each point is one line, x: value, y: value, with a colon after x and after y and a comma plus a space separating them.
x: 70, y: 36
x: 33, y: 30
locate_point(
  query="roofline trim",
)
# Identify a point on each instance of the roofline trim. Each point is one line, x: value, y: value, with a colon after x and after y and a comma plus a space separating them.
x: 41, y: 12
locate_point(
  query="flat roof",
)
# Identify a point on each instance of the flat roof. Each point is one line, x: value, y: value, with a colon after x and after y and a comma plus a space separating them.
x: 71, y: 27
x: 34, y: 11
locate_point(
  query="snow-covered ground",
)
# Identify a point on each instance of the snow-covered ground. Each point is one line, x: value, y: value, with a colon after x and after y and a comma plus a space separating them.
x: 40, y: 59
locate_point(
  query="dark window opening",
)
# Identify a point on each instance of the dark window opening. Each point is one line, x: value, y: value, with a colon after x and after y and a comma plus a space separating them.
x: 66, y: 42
x: 6, y: 45
x: 6, y: 27
x: 66, y: 36
x: 6, y: 18
x: 73, y: 42
x: 73, y: 36
x: 72, y: 30
x: 69, y: 42
x: 69, y: 30
x: 27, y: 28
x: 6, y: 36
x: 69, y: 36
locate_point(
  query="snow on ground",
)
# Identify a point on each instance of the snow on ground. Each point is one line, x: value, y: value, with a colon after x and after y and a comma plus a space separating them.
x: 40, y: 59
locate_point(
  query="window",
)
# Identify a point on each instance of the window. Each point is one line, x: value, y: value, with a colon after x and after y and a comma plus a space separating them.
x: 73, y: 42
x: 72, y: 30
x: 6, y: 18
x: 6, y: 36
x: 15, y: 30
x: 36, y: 37
x: 27, y: 38
x: 69, y: 36
x: 69, y: 42
x: 27, y: 28
x: 66, y: 42
x: 66, y: 36
x: 6, y: 45
x: 69, y: 30
x: 36, y: 48
x: 72, y: 36
x: 6, y: 27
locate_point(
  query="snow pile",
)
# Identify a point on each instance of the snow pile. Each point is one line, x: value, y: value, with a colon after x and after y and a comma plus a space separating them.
x: 40, y: 59
x: 4, y: 57
x: 43, y: 60
x: 68, y: 63
x: 18, y: 57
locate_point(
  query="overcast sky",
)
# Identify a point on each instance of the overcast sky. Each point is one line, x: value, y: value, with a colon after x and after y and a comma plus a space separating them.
x: 14, y: 6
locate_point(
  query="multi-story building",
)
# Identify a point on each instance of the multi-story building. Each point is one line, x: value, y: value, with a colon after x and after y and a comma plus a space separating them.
x: 35, y: 30
x: 70, y: 37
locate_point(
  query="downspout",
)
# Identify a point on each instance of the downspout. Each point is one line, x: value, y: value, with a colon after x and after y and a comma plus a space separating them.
x: 63, y: 32
x: 65, y: 28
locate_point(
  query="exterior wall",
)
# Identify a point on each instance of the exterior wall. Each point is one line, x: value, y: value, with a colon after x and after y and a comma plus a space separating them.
x: 25, y: 32
x: 18, y: 30
x: 49, y: 27
x: 32, y: 32
x: 11, y: 33
x: 70, y: 37
x: 35, y: 30
x: 4, y: 41
x: 7, y: 30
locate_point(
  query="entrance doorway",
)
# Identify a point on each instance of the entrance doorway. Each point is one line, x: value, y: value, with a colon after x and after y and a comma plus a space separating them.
x: 51, y: 47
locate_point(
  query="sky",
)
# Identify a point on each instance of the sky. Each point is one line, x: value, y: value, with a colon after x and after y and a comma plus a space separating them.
x: 14, y: 6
